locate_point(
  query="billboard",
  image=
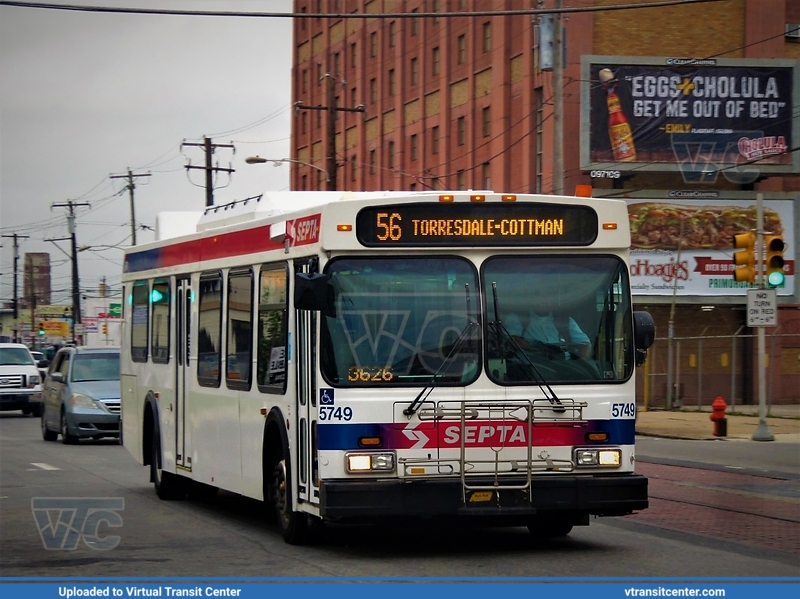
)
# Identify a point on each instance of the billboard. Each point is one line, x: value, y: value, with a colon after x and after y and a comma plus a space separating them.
x: 707, y: 118
x: 703, y: 230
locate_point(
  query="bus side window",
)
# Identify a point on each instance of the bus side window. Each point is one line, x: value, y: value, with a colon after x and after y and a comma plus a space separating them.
x: 271, y: 328
x: 209, y: 339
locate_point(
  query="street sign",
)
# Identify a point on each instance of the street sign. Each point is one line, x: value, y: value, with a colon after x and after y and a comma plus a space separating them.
x: 79, y: 329
x: 762, y: 308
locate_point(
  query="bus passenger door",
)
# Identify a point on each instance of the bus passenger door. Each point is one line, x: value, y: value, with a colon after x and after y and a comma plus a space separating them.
x: 183, y: 313
x: 306, y: 466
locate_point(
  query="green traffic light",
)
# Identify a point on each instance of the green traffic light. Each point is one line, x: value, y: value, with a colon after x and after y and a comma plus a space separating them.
x: 776, y: 279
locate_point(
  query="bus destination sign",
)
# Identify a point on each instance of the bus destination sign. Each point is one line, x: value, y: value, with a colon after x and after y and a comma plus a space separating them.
x: 461, y: 224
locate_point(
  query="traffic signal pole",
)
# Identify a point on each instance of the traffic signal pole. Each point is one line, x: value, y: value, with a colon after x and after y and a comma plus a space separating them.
x: 762, y: 432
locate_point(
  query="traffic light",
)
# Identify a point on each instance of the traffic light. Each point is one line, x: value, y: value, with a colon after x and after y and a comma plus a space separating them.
x: 774, y: 261
x: 41, y: 329
x: 746, y: 257
x: 105, y: 328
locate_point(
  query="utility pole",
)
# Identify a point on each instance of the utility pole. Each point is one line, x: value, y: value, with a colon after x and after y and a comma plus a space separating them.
x: 16, y: 299
x: 130, y: 186
x: 209, y: 148
x: 558, y: 102
x: 76, y: 290
x: 331, y: 110
x: 762, y: 432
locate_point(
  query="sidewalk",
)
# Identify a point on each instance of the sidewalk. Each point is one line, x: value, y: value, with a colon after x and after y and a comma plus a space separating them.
x: 689, y: 423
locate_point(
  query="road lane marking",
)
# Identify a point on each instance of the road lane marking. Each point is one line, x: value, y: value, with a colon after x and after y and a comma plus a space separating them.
x: 44, y: 466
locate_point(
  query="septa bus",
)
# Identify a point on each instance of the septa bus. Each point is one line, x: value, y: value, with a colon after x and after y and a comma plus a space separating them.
x: 362, y: 356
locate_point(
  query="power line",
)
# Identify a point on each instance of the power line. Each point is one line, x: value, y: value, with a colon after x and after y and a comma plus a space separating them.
x: 310, y: 15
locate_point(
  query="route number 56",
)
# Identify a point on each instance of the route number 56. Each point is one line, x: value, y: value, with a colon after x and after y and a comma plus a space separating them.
x: 389, y: 224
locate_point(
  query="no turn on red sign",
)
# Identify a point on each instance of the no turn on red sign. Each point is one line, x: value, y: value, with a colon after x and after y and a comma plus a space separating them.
x: 762, y: 308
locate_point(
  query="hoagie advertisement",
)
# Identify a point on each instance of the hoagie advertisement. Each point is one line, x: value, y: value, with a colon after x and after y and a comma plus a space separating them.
x: 704, y: 265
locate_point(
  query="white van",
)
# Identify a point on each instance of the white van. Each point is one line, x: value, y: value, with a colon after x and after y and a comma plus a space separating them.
x: 20, y: 380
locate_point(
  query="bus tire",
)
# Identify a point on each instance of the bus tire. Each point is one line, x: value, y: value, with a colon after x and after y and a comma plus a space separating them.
x: 550, y: 529
x: 293, y: 525
x: 168, y: 486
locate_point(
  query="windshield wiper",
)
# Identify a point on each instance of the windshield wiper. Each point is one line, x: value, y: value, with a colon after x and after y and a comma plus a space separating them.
x: 537, y: 377
x: 462, y: 337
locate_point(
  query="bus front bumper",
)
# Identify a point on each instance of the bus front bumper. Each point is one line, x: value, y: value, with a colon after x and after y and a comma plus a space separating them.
x: 600, y: 495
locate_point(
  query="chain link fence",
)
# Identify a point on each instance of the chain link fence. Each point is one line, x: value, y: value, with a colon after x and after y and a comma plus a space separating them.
x: 709, y: 366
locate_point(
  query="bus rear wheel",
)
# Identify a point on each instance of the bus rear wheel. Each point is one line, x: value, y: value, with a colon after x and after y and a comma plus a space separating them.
x: 293, y: 525
x: 168, y: 486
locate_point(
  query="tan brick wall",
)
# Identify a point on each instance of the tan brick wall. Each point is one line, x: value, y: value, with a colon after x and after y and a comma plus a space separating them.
x: 317, y: 44
x: 353, y: 25
x: 372, y: 8
x: 516, y: 69
x: 351, y: 138
x: 373, y: 128
x: 412, y: 112
x: 303, y: 52
x: 703, y: 30
x: 792, y: 50
x: 316, y: 151
x: 432, y: 104
x: 459, y: 93
x: 388, y: 121
x: 483, y: 83
x: 337, y: 32
x: 302, y: 154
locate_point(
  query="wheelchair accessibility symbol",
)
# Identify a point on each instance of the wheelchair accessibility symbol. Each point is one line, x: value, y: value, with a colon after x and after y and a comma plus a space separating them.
x: 326, y: 397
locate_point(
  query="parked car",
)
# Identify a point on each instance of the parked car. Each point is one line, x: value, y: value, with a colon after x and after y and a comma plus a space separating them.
x: 20, y: 381
x: 81, y: 396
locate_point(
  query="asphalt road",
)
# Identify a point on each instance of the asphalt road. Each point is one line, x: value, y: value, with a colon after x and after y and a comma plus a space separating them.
x: 232, y: 536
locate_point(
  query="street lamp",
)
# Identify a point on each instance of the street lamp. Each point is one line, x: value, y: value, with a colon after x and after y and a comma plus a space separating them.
x: 279, y: 161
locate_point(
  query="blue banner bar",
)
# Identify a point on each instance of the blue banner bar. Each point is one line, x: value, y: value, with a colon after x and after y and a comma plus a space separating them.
x: 367, y: 588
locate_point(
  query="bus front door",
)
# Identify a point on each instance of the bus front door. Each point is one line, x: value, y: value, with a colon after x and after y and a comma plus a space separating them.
x: 307, y: 390
x: 183, y: 312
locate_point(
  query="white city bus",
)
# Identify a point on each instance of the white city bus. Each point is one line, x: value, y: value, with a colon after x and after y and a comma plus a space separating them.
x: 367, y: 355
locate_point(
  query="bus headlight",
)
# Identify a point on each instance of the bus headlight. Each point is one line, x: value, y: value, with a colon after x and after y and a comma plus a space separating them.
x: 605, y: 458
x: 369, y: 462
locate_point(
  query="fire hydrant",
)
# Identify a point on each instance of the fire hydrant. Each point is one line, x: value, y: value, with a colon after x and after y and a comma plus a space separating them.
x: 718, y: 417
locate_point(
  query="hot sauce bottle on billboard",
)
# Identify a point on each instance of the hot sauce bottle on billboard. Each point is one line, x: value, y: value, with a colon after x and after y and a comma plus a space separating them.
x: 619, y: 130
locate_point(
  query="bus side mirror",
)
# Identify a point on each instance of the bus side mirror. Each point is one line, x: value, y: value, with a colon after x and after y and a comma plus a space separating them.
x: 644, y: 333
x: 310, y: 291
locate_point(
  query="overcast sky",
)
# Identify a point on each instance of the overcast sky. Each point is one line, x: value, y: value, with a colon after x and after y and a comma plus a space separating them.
x: 87, y: 95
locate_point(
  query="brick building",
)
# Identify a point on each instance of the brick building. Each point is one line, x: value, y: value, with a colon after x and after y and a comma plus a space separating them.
x: 442, y: 101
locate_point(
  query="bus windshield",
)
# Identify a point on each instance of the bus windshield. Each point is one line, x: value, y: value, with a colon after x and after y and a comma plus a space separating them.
x: 548, y: 319
x: 401, y: 321
x: 557, y: 319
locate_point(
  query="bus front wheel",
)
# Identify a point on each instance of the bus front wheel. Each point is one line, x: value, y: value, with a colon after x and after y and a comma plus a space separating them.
x: 168, y: 485
x: 550, y: 529
x: 293, y: 525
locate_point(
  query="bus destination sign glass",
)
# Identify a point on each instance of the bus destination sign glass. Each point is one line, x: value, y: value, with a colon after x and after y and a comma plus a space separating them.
x: 462, y: 224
